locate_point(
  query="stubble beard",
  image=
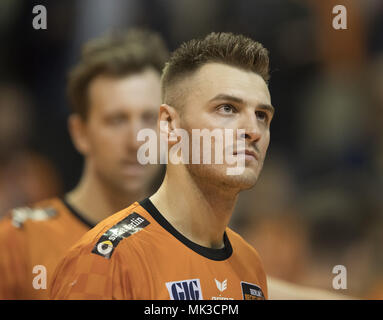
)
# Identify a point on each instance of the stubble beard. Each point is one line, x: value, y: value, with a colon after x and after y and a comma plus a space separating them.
x: 216, y: 176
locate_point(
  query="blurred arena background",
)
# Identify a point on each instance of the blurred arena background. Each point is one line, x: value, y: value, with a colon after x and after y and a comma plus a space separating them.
x: 319, y: 201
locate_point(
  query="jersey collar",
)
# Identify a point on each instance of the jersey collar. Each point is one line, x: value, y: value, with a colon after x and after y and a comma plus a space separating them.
x: 77, y: 214
x: 210, y: 253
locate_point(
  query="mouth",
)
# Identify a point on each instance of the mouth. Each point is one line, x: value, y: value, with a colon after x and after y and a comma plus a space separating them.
x: 132, y: 167
x: 249, y: 154
x: 130, y: 161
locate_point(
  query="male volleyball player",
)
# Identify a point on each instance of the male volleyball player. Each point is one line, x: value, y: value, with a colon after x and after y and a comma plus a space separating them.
x: 176, y: 244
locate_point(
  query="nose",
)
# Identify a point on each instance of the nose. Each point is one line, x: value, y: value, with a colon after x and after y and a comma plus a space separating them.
x: 134, y: 127
x: 252, y: 131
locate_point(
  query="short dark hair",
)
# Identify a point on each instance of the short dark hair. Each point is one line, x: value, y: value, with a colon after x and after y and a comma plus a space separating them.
x: 228, y: 48
x: 115, y: 54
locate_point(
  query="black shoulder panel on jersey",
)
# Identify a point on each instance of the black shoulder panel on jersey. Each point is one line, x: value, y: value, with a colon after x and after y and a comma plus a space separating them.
x: 133, y: 223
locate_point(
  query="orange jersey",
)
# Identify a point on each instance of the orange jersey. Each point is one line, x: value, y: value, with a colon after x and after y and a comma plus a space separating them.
x: 32, y: 238
x: 137, y: 254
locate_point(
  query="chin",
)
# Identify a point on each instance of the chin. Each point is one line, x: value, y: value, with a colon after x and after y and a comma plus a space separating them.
x: 133, y: 187
x: 243, y: 181
x: 127, y: 187
x: 218, y: 176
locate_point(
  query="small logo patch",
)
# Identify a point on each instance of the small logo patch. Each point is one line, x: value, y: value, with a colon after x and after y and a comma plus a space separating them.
x: 133, y: 223
x: 185, y: 290
x: 251, y: 291
x: 20, y: 215
x: 222, y: 286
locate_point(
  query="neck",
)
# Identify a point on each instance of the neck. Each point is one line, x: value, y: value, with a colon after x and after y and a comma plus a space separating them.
x: 201, y: 212
x: 95, y: 200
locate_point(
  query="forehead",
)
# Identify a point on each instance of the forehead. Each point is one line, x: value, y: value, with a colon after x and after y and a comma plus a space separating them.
x: 136, y: 91
x: 217, y: 78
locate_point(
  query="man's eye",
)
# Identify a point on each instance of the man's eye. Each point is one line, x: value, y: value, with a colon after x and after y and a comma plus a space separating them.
x: 261, y: 115
x: 116, y: 120
x: 226, y: 109
x: 150, y: 117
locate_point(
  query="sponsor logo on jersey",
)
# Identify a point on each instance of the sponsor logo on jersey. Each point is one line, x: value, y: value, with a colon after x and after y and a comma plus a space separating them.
x: 185, y: 290
x: 20, y: 215
x: 221, y: 286
x: 251, y: 291
x: 133, y: 223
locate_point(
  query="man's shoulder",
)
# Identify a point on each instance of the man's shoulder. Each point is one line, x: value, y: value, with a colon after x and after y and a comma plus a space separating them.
x: 25, y: 229
x: 108, y: 234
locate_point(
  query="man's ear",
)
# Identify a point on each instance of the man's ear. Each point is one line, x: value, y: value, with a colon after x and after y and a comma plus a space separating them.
x: 168, y: 121
x: 78, y: 133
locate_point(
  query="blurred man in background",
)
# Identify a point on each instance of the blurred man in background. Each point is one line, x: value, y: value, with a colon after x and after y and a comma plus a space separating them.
x: 114, y: 92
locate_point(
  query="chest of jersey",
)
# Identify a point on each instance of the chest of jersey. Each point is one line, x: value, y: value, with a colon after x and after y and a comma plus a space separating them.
x: 170, y: 270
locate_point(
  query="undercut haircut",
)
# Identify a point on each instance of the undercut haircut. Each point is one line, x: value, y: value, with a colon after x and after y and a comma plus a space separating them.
x: 227, y: 48
x: 116, y: 54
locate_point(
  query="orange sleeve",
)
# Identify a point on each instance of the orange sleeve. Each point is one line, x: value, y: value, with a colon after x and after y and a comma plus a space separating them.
x: 13, y: 261
x: 83, y: 275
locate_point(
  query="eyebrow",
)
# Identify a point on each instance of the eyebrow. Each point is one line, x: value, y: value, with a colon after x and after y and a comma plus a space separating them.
x: 232, y: 98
